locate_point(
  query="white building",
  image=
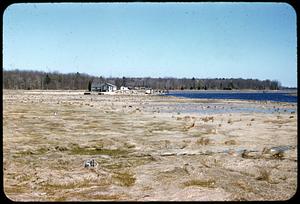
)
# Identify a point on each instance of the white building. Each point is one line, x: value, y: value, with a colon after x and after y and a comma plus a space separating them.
x: 103, y: 87
x: 124, y: 88
x: 149, y: 91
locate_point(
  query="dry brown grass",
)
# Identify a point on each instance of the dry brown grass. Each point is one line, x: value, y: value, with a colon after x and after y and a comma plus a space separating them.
x: 210, y: 183
x: 203, y: 141
x: 243, y: 185
x: 124, y: 178
x: 264, y: 174
x: 44, y: 153
x: 230, y: 142
x: 100, y: 151
x: 206, y: 119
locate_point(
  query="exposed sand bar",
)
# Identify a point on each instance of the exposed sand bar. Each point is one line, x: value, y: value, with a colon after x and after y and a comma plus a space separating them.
x: 146, y: 148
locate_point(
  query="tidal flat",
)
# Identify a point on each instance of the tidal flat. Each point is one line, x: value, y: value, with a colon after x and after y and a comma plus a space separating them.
x: 146, y: 147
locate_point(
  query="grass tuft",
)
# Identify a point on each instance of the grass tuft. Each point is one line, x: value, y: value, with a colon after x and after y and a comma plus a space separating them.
x: 93, y: 151
x: 201, y: 183
x: 124, y: 179
x: 203, y: 141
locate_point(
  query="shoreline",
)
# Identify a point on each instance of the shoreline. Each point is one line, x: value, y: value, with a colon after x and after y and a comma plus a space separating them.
x: 219, y: 95
x: 175, y: 90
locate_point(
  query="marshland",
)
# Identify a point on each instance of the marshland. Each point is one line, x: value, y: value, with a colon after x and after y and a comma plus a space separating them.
x: 146, y: 147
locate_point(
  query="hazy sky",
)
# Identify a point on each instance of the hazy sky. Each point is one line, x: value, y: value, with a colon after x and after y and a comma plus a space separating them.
x: 201, y: 40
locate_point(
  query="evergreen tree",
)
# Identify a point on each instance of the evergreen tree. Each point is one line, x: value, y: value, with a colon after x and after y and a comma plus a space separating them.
x: 90, y: 86
x: 47, y: 80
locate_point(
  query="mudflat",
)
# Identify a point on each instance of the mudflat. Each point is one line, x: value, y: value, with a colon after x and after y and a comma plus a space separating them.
x: 146, y: 147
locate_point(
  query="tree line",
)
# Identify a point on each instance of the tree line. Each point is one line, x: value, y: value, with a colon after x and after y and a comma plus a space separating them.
x: 23, y: 79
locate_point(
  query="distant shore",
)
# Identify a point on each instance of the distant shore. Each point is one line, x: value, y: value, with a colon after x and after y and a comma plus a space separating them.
x: 288, y: 91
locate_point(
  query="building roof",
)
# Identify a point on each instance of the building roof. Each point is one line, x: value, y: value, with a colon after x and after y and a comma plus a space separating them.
x: 109, y: 84
x: 101, y: 84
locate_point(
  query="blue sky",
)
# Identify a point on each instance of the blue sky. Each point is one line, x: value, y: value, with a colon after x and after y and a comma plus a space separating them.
x: 201, y: 40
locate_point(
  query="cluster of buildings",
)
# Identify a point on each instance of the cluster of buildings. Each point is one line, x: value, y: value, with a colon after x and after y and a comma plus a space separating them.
x: 108, y: 87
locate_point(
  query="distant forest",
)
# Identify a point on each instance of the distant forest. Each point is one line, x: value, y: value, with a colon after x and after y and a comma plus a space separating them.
x: 21, y: 79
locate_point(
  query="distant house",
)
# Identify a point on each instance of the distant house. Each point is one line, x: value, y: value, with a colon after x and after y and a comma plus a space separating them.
x: 124, y: 88
x: 103, y: 87
x: 149, y: 91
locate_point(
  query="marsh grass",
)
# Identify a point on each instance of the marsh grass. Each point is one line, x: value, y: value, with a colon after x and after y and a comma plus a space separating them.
x: 70, y: 117
x: 159, y: 126
x: 105, y: 197
x: 203, y: 141
x: 70, y: 185
x: 91, y: 125
x: 92, y: 151
x: 96, y: 196
x: 114, y: 166
x: 279, y: 155
x: 200, y: 183
x: 264, y: 175
x: 243, y: 185
x: 15, y: 189
x: 170, y: 175
x: 129, y: 146
x: 206, y: 119
x: 279, y: 122
x: 124, y: 178
x: 39, y: 151
x: 141, y: 161
x: 60, y: 199
x: 24, y: 177
x: 204, y: 130
x: 230, y: 142
x: 51, y: 187
x: 120, y: 123
x: 48, y: 162
x: 128, y: 162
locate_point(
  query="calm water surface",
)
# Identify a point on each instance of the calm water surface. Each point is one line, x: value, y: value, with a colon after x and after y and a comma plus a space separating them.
x: 224, y: 107
x: 258, y: 96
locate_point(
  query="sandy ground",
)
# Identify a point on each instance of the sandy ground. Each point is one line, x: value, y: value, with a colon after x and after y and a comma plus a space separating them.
x: 146, y: 147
